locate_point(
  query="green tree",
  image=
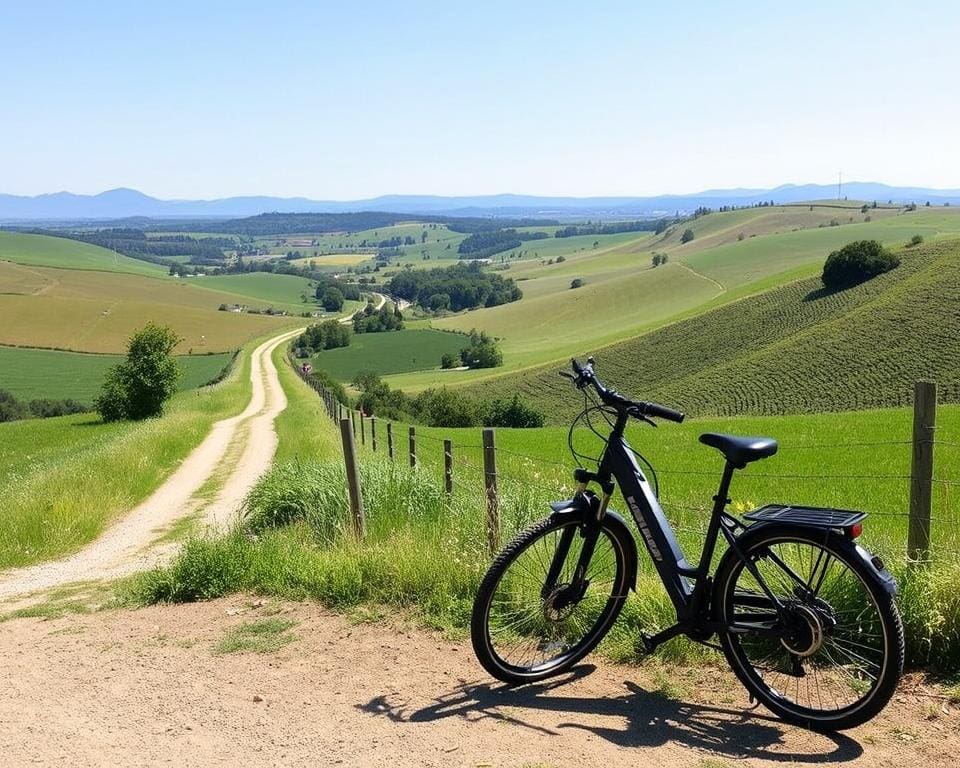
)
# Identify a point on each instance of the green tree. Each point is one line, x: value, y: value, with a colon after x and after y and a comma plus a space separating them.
x: 139, y: 386
x: 687, y: 236
x: 449, y: 360
x: 577, y: 282
x: 857, y: 262
x: 332, y: 299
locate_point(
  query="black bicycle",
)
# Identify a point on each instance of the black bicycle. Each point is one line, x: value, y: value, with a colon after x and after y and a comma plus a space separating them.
x: 804, y: 615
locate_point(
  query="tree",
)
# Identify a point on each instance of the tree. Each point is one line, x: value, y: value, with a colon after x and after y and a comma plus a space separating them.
x: 332, y: 299
x: 916, y: 240
x: 512, y: 413
x: 449, y: 360
x: 139, y: 386
x: 577, y: 282
x: 857, y: 262
x: 687, y: 236
x: 655, y: 260
x: 482, y: 352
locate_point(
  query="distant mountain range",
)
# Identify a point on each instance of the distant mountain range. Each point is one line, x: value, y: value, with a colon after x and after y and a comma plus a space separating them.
x: 125, y: 203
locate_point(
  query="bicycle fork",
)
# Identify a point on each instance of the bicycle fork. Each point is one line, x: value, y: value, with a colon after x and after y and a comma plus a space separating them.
x: 589, y: 531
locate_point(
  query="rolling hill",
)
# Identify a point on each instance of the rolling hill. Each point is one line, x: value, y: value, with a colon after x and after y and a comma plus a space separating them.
x: 792, y: 349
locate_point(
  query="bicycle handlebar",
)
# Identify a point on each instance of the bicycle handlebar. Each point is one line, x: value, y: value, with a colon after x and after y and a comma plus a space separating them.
x: 636, y: 408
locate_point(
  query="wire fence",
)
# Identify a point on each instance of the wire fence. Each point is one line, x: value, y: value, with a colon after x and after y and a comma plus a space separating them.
x: 917, y: 507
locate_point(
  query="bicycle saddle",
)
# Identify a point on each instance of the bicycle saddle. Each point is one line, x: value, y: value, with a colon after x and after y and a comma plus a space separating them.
x: 740, y: 450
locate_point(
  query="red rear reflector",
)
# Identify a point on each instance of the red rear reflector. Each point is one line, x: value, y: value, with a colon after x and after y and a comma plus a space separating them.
x: 855, y: 530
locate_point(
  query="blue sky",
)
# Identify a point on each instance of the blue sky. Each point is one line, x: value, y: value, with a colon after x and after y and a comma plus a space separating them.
x: 353, y: 99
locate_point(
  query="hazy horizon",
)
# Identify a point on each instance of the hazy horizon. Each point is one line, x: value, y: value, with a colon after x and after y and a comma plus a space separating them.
x: 297, y: 99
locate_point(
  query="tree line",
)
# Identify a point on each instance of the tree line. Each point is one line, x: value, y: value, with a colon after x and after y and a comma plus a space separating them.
x: 483, y: 244
x: 459, y: 287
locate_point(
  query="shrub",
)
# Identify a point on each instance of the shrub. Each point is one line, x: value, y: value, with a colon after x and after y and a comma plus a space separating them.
x: 139, y: 386
x: 446, y: 408
x: 577, y: 282
x: 482, y: 352
x: 687, y: 236
x: 10, y: 408
x: 857, y: 262
x: 916, y: 240
x: 449, y: 360
x: 512, y: 413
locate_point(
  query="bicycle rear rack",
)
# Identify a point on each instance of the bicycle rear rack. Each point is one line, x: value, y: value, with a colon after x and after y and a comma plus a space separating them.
x: 813, y: 517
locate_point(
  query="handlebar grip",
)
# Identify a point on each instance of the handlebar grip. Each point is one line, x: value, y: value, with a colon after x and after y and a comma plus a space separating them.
x: 662, y: 412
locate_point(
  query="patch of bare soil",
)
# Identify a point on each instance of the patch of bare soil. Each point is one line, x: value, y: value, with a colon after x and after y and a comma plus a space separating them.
x: 158, y: 687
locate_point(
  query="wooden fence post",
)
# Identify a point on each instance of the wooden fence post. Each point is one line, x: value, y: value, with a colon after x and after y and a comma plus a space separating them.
x: 353, y: 421
x: 373, y: 433
x: 490, y: 484
x: 921, y: 474
x: 390, y: 440
x: 448, y: 466
x: 353, y: 478
x: 363, y: 430
x: 413, y: 446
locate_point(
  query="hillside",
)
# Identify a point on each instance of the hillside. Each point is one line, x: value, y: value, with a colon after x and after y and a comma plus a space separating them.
x: 46, y: 251
x: 792, y: 349
x: 733, y: 254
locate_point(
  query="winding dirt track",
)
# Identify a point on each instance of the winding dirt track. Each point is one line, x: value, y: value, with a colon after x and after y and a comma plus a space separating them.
x: 131, y: 544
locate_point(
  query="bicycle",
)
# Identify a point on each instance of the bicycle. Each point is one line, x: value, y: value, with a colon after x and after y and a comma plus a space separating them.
x: 804, y: 615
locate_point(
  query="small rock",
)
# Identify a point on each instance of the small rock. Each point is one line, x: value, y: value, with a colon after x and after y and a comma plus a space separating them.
x: 257, y: 698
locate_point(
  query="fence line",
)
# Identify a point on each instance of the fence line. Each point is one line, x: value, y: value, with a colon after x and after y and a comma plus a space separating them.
x: 454, y: 466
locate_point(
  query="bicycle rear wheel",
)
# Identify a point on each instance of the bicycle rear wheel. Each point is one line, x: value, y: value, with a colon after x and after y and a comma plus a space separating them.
x: 834, y: 659
x: 526, y: 627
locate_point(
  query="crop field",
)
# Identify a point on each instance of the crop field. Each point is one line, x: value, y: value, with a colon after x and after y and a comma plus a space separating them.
x: 792, y: 349
x: 45, y: 251
x: 333, y: 260
x: 391, y: 352
x: 92, y: 311
x: 42, y: 373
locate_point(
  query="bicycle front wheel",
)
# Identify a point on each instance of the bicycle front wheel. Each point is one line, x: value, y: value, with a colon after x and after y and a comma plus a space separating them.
x: 533, y: 617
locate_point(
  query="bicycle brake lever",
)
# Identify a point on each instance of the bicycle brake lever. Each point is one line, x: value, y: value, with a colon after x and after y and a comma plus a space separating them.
x: 651, y: 422
x: 567, y: 375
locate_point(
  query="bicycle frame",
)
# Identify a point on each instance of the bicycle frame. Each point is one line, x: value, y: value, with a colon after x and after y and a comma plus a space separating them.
x: 687, y: 586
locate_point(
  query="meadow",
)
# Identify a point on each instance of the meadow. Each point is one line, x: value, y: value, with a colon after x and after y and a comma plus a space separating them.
x: 43, y: 373
x: 389, y: 352
x: 425, y: 552
x: 62, y: 480
x: 60, y: 252
x: 265, y: 289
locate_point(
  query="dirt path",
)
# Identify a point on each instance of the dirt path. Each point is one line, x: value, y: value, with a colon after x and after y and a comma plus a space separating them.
x: 244, y: 443
x: 146, y: 687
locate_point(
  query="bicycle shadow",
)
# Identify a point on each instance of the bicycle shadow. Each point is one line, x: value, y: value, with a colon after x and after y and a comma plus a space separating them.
x: 651, y: 719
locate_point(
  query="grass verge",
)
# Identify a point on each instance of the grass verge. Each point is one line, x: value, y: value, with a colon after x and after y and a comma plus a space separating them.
x: 63, y: 480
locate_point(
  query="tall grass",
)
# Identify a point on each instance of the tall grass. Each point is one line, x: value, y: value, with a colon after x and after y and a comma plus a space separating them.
x: 426, y: 552
x: 63, y: 480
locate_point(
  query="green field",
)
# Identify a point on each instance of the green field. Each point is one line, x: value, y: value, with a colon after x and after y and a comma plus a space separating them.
x: 42, y: 373
x: 63, y: 480
x: 623, y: 297
x: 792, y: 349
x: 45, y: 251
x: 265, y: 289
x: 391, y: 352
